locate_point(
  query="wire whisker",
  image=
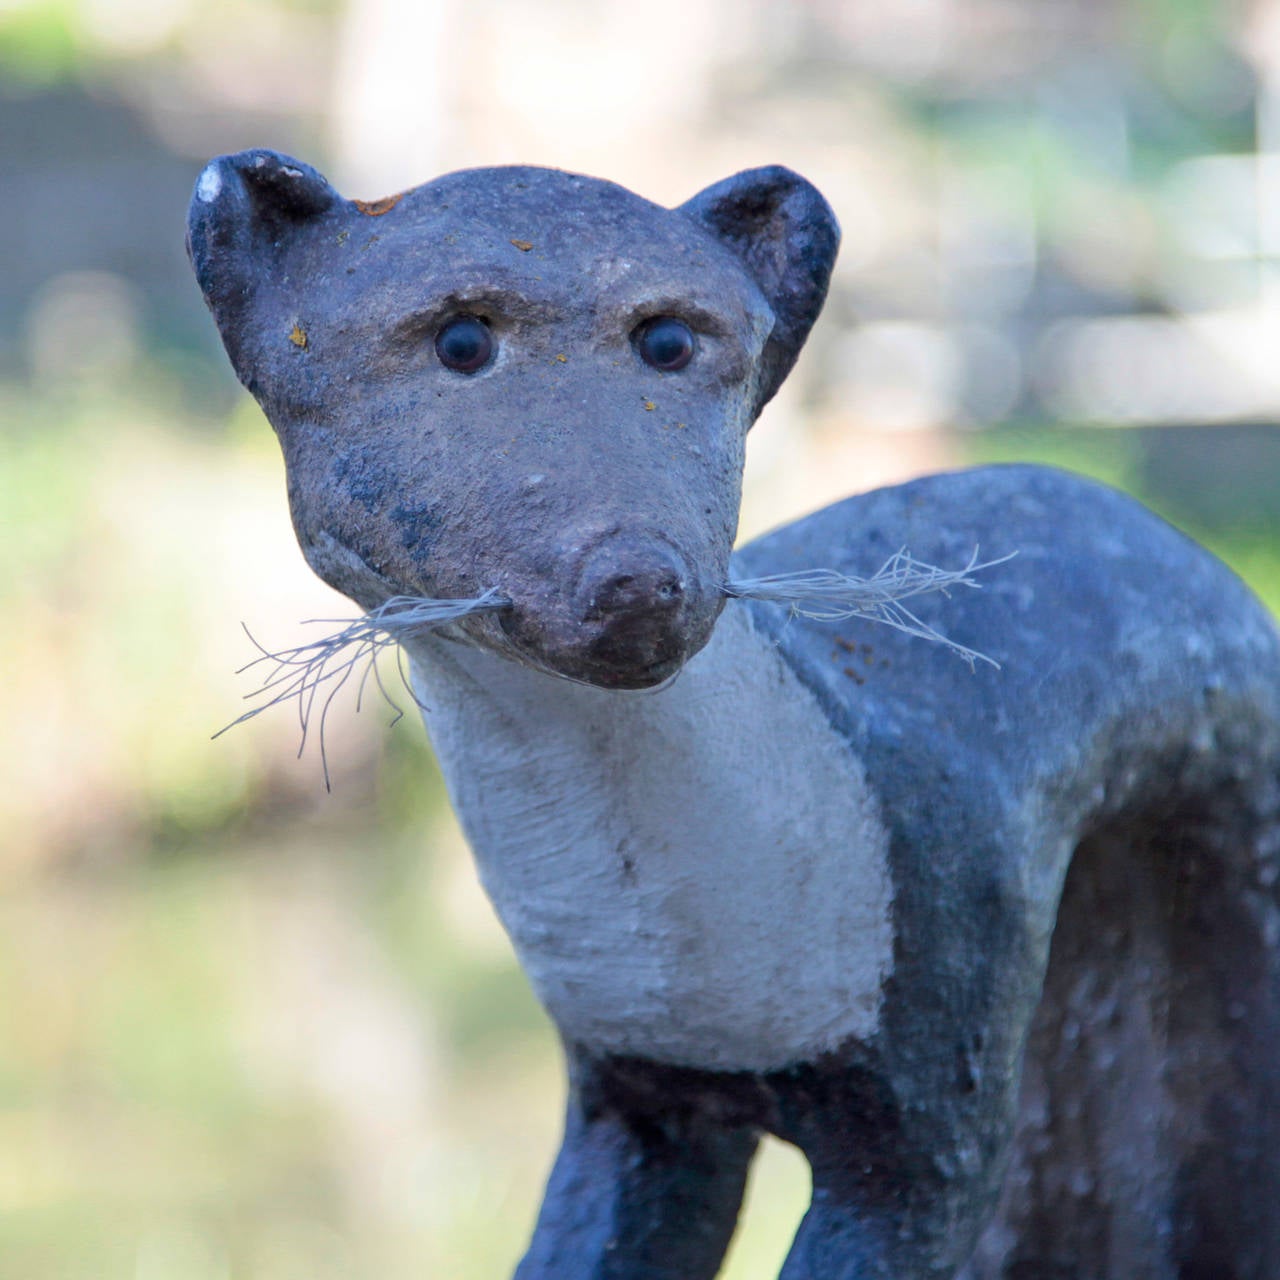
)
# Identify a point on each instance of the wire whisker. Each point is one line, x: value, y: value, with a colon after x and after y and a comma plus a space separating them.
x: 312, y: 674
x: 826, y: 595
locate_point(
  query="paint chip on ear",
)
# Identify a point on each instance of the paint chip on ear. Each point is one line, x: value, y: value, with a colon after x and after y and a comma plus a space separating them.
x: 376, y: 208
x: 209, y: 184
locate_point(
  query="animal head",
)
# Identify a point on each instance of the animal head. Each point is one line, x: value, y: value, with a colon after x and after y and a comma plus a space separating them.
x: 517, y: 380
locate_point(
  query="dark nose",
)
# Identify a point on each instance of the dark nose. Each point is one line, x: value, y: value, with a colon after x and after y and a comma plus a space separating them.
x: 626, y: 578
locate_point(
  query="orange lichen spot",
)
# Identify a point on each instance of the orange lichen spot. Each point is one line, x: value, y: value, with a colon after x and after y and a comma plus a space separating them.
x: 376, y: 208
x: 298, y: 337
x: 523, y: 245
x: 649, y: 406
x: 562, y: 359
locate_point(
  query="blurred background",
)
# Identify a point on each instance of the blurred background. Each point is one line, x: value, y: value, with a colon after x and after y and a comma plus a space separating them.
x: 250, y: 1030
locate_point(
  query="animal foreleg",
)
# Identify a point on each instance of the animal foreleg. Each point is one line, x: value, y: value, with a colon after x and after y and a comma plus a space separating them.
x: 639, y: 1197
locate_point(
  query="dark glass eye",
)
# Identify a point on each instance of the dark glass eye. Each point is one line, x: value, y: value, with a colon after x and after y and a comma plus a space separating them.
x: 464, y: 344
x: 665, y: 343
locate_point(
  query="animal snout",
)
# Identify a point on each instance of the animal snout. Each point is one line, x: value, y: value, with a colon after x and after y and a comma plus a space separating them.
x: 624, y: 614
x: 630, y: 602
x: 626, y: 579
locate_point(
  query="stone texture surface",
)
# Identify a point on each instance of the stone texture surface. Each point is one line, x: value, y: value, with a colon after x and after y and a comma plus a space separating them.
x: 1072, y: 1072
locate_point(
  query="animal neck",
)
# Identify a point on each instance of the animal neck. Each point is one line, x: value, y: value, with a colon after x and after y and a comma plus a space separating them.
x: 650, y: 854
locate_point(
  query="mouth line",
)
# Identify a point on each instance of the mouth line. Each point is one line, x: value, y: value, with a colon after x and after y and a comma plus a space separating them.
x: 582, y: 668
x: 650, y: 679
x: 646, y: 677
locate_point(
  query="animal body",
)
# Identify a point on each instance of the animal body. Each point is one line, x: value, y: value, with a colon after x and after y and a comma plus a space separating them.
x: 997, y: 951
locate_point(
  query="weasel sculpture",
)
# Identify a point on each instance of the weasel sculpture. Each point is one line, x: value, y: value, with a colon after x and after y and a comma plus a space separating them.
x: 997, y: 951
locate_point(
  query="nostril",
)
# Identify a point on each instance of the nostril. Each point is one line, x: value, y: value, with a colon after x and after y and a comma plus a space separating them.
x: 630, y: 580
x: 633, y: 593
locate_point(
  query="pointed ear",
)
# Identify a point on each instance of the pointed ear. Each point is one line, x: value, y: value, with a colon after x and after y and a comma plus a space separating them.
x: 784, y: 232
x: 243, y: 209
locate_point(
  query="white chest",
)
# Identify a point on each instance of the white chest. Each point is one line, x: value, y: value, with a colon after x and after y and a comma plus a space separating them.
x: 697, y: 876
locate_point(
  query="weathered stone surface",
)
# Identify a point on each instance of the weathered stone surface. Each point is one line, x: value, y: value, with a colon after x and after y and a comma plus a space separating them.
x: 998, y: 951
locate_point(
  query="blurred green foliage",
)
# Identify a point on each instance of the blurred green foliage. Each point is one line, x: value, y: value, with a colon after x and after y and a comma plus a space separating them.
x: 38, y: 43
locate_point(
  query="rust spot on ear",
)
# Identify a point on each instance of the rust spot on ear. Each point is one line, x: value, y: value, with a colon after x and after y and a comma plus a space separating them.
x: 376, y: 208
x: 298, y: 337
x: 523, y: 245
